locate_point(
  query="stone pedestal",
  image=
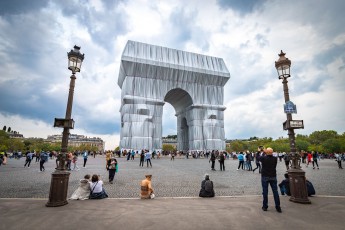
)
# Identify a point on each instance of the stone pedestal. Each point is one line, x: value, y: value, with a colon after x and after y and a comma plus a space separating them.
x: 58, y: 189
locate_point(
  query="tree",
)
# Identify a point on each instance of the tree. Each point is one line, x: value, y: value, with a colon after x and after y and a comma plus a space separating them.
x: 4, y: 128
x: 168, y: 147
x: 236, y: 146
x: 302, y: 145
x: 332, y: 145
x: 319, y: 137
x: 9, y: 129
x: 15, y: 144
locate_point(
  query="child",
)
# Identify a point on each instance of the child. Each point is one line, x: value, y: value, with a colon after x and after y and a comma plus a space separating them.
x: 83, y: 191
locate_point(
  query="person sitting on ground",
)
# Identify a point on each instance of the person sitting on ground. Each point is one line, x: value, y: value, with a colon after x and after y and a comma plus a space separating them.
x: 146, y: 188
x: 310, y: 188
x: 97, y: 190
x: 206, y: 187
x: 285, y: 186
x: 83, y: 191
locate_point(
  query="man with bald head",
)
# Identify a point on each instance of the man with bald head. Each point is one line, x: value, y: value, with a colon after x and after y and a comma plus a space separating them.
x: 269, y: 177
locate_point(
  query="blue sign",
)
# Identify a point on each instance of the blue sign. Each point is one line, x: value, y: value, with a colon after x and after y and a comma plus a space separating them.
x: 290, y: 107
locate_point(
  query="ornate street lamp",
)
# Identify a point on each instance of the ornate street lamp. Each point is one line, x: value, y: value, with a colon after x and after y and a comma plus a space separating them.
x: 297, y: 178
x: 59, y: 181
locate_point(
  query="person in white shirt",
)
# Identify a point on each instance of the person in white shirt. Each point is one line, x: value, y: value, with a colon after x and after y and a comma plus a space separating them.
x: 97, y: 190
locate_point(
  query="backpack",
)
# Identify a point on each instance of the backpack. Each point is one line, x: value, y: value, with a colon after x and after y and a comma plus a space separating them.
x: 208, y: 186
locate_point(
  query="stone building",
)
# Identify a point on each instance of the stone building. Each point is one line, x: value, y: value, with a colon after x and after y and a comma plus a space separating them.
x: 75, y: 140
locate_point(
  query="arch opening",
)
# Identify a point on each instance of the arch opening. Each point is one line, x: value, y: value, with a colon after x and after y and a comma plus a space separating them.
x: 179, y: 99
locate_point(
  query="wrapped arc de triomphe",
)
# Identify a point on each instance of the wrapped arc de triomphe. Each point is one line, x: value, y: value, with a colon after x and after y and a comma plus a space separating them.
x: 192, y: 83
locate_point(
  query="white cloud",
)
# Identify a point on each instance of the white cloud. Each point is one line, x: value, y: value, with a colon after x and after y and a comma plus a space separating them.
x: 248, y: 43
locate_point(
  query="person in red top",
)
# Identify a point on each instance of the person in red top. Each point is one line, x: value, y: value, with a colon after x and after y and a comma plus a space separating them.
x: 309, y: 157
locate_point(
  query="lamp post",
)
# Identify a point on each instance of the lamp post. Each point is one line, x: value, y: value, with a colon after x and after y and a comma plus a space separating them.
x: 59, y: 181
x: 297, y: 178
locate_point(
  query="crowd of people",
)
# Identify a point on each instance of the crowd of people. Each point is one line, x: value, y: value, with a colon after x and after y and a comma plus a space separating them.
x: 265, y: 162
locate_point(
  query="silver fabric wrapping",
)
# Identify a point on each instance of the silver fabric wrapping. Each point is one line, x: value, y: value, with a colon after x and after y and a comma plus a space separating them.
x: 192, y: 83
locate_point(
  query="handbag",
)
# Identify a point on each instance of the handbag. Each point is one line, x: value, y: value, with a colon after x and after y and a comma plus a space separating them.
x: 90, y: 197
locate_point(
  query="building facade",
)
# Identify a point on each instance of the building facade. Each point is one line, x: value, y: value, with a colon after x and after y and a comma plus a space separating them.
x: 75, y: 140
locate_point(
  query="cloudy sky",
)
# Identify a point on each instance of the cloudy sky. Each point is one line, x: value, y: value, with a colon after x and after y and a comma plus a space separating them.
x: 36, y: 35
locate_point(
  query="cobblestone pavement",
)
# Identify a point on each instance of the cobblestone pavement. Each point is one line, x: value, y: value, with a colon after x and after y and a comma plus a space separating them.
x: 179, y: 178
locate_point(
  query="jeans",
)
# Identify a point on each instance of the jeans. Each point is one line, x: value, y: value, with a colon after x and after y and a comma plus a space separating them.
x: 272, y: 181
x: 148, y: 161
x: 315, y: 162
x: 212, y: 165
x: 240, y: 163
x: 141, y: 163
x: 85, y: 159
x: 27, y: 162
x: 258, y: 166
x: 42, y: 165
x: 111, y: 174
x: 222, y: 166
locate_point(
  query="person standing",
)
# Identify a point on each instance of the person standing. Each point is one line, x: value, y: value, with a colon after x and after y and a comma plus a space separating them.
x: 249, y: 161
x: 315, y: 157
x: 172, y: 156
x: 148, y: 158
x: 37, y: 156
x: 213, y: 160
x: 221, y: 161
x: 43, y: 159
x: 69, y: 160
x: 112, y: 166
x: 74, y: 161
x: 309, y: 157
x: 142, y: 158
x: 28, y: 160
x: 269, y: 177
x: 338, y: 157
x: 240, y: 161
x: 85, y: 156
x: 257, y: 158
x: 287, y: 161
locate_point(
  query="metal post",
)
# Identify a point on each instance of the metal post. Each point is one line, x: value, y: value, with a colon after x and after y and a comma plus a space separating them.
x: 297, y: 179
x: 59, y: 182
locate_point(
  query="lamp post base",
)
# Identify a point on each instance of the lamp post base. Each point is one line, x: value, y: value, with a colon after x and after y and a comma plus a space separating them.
x: 58, y: 189
x: 298, y: 187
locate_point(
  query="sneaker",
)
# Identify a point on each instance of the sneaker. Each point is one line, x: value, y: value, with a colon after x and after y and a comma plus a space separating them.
x: 279, y: 209
x: 264, y: 209
x: 313, y: 167
x: 237, y: 169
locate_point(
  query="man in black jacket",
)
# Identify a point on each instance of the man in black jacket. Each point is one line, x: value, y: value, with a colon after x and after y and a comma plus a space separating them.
x: 269, y: 177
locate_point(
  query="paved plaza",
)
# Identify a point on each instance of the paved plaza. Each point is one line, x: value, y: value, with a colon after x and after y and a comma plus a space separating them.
x: 179, y: 178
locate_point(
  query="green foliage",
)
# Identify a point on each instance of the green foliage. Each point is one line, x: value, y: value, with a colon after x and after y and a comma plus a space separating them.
x: 4, y: 128
x: 9, y: 129
x: 14, y: 144
x: 332, y: 145
x: 117, y: 148
x: 318, y: 137
x: 168, y: 147
x: 302, y: 144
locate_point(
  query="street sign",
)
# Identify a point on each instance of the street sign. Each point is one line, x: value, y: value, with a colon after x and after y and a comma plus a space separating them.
x: 293, y: 124
x: 290, y: 107
x: 64, y: 123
